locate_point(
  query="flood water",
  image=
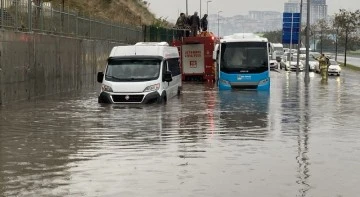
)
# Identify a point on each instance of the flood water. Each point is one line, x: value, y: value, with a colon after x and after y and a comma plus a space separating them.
x: 296, y: 140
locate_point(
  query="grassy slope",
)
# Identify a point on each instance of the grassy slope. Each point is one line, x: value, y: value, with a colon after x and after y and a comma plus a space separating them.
x: 121, y: 11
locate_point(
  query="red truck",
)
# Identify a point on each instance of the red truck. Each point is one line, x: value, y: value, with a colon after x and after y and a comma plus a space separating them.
x: 197, y: 57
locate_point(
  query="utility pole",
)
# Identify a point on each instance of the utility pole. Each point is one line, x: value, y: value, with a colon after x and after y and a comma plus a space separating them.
x: 307, y: 78
x: 219, y: 23
x: 207, y: 7
x: 200, y: 8
x: 187, y: 8
x: 299, y: 41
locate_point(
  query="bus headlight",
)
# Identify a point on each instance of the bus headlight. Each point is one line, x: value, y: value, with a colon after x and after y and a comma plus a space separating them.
x: 264, y: 81
x: 106, y: 88
x: 224, y: 82
x: 152, y: 88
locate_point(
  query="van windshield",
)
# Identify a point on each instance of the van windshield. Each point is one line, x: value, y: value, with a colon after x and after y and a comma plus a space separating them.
x: 133, y: 70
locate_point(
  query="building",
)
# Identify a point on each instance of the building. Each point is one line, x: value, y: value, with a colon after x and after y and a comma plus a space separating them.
x: 318, y: 9
x: 255, y: 21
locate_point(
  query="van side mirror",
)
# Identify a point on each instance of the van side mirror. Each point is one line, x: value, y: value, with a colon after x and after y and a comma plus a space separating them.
x: 100, y: 77
x: 167, y: 76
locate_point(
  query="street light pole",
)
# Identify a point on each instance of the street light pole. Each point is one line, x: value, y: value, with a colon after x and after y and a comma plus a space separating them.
x: 187, y: 8
x: 207, y: 7
x: 307, y: 78
x: 299, y: 41
x: 200, y: 8
x: 219, y: 23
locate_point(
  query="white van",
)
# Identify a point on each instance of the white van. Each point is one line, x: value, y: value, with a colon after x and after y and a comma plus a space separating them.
x: 146, y: 72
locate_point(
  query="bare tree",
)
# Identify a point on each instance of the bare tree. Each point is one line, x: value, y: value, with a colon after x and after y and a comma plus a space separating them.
x: 313, y: 31
x: 336, y: 31
x: 348, y: 22
x: 323, y: 28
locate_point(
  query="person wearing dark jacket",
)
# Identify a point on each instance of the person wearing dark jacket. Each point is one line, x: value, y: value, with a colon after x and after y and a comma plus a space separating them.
x: 180, y: 25
x: 204, y: 23
x: 195, y: 24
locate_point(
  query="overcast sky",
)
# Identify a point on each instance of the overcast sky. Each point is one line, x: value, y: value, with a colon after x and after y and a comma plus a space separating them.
x: 171, y: 8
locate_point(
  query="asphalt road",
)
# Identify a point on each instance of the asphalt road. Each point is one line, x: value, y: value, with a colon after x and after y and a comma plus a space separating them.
x: 350, y: 60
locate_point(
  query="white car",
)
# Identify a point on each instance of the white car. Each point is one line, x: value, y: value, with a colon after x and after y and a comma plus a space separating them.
x: 273, y: 64
x: 313, y: 63
x: 334, y: 68
x: 315, y: 54
x: 291, y: 65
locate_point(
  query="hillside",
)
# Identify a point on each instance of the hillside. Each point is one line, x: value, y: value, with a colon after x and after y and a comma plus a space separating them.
x: 132, y: 12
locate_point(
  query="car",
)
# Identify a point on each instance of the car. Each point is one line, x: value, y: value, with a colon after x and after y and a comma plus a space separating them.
x: 334, y: 68
x: 313, y: 63
x: 291, y: 65
x: 315, y: 54
x: 273, y: 64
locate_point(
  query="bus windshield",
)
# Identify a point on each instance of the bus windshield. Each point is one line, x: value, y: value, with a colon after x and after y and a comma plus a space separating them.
x: 249, y: 57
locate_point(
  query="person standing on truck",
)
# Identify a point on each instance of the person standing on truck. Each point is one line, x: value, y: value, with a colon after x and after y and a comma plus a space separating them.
x: 195, y: 24
x: 180, y: 25
x: 204, y: 23
x: 187, y: 26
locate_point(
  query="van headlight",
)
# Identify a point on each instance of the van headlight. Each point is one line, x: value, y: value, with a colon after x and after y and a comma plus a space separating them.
x: 106, y: 88
x: 224, y: 82
x: 264, y: 81
x: 152, y: 88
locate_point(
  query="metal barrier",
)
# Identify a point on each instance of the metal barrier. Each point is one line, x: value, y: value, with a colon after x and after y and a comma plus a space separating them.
x: 25, y: 15
x: 161, y: 34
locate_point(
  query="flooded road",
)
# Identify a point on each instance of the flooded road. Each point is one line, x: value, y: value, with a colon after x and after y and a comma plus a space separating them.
x: 297, y: 140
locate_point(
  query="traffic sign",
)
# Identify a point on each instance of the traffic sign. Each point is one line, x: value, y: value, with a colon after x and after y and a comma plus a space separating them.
x: 291, y: 28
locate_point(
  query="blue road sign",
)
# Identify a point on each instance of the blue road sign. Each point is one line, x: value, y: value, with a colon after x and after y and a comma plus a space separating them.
x: 291, y: 28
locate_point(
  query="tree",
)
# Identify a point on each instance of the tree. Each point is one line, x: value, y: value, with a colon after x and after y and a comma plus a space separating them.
x: 348, y: 22
x: 273, y: 36
x: 323, y: 28
x: 335, y: 30
x: 313, y: 30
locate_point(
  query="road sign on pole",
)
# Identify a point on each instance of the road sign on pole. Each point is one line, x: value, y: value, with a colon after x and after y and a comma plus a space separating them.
x: 291, y: 28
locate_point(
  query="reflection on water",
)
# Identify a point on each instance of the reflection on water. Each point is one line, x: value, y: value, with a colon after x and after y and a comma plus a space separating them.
x: 296, y: 140
x: 244, y: 113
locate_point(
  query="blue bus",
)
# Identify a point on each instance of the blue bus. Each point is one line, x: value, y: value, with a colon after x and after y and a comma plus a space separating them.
x: 242, y: 62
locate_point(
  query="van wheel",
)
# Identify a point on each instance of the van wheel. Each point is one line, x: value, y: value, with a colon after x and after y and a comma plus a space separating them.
x: 162, y: 99
x: 101, y: 100
x: 179, y: 91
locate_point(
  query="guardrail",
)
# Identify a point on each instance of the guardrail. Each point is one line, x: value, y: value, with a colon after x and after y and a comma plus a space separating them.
x: 160, y: 34
x: 27, y: 16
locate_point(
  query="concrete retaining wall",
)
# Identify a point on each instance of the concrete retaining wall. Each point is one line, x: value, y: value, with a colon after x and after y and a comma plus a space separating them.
x: 35, y: 65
